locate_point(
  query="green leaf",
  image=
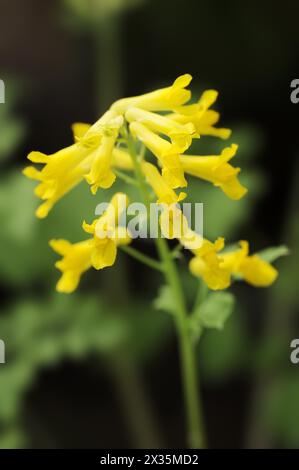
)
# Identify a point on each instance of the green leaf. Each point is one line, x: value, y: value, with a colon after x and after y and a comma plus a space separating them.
x: 215, y: 310
x: 273, y: 253
x: 165, y: 300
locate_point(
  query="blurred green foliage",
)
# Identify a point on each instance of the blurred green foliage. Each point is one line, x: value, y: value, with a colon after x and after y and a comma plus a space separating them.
x: 225, y: 353
x: 39, y: 334
x: 90, y: 13
x: 281, y: 413
x: 13, y: 128
x: 278, y: 377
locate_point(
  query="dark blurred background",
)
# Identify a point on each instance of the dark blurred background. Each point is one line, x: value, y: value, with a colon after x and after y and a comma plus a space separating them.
x: 100, y: 368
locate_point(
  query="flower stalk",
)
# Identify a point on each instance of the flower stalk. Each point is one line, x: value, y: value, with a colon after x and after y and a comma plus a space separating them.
x: 189, y: 369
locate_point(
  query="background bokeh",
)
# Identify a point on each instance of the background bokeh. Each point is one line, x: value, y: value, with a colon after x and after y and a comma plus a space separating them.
x: 100, y: 368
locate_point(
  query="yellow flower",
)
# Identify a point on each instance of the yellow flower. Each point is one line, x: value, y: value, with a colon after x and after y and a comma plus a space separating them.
x: 95, y: 153
x: 216, y: 268
x: 91, y: 135
x: 174, y: 224
x: 217, y: 170
x: 180, y: 134
x: 108, y: 224
x: 107, y: 233
x: 79, y: 130
x: 101, y: 175
x: 201, y: 116
x: 165, y: 194
x: 66, y: 168
x: 206, y: 100
x: 207, y: 264
x: 76, y: 260
x: 62, y: 171
x: 252, y: 269
x: 166, y: 153
x: 97, y: 252
x: 159, y: 100
x: 120, y: 157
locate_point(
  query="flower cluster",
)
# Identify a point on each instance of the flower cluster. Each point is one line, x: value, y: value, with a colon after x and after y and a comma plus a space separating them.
x: 166, y: 125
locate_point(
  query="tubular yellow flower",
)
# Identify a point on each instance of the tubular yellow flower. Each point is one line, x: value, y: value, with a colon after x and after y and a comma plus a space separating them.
x: 66, y: 168
x: 252, y: 269
x: 180, y: 134
x: 76, y: 260
x: 206, y: 100
x: 205, y: 125
x: 201, y: 116
x: 62, y: 171
x: 217, y: 170
x: 101, y: 175
x: 159, y: 100
x: 174, y: 224
x: 93, y: 155
x: 79, y: 130
x: 107, y: 234
x: 166, y: 153
x: 108, y: 224
x: 120, y: 157
x: 97, y: 252
x: 165, y: 194
x: 207, y: 264
x: 90, y: 136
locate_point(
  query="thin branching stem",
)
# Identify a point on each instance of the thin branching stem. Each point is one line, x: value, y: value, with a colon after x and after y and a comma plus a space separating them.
x: 142, y: 258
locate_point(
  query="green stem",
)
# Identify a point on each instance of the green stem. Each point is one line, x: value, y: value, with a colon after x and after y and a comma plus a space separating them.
x: 141, y: 257
x: 176, y: 251
x: 189, y: 369
x: 127, y: 179
x: 108, y: 61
